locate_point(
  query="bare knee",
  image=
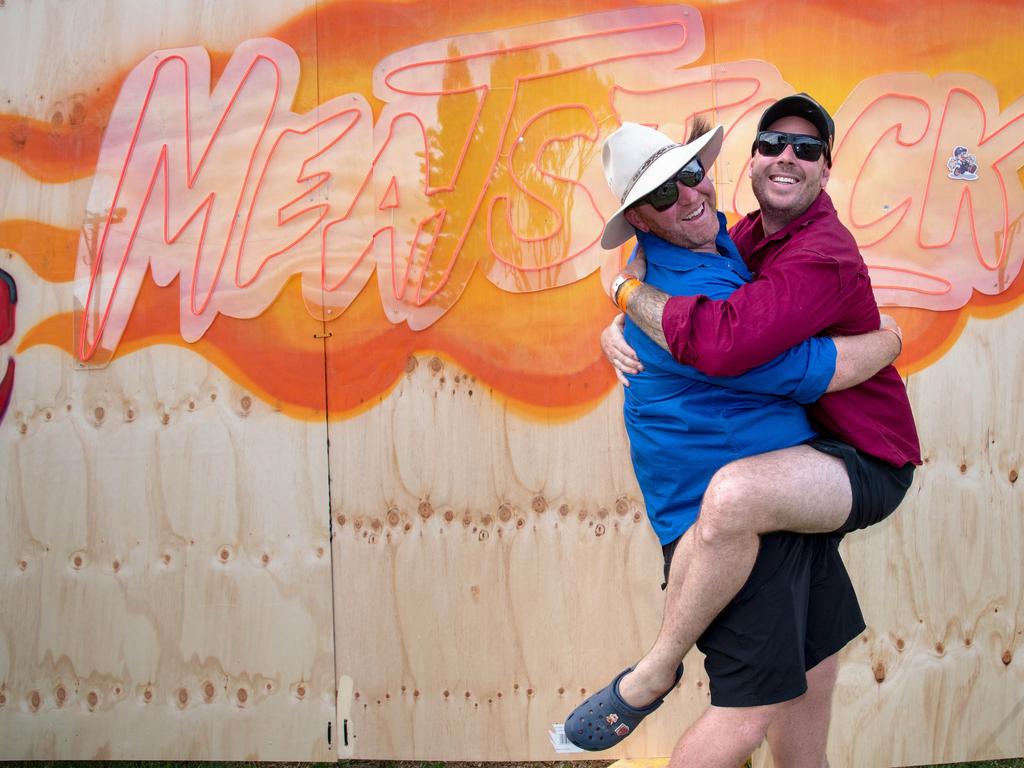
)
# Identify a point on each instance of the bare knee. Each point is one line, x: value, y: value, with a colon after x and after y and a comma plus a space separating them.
x: 726, y: 510
x: 723, y: 735
x: 751, y: 731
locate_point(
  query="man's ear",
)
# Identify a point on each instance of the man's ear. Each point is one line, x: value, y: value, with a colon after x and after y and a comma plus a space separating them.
x: 825, y: 173
x: 633, y: 217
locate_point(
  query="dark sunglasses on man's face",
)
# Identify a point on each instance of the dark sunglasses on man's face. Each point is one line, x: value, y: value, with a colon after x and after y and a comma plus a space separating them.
x: 665, y: 195
x: 774, y: 143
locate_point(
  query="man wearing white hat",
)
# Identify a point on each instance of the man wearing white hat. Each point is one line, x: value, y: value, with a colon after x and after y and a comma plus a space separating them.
x: 684, y: 426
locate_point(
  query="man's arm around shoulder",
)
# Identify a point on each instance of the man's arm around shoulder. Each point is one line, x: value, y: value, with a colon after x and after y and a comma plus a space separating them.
x: 786, y: 304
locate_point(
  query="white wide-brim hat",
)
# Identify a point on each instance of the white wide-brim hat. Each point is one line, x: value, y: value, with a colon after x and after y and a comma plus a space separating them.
x: 637, y: 159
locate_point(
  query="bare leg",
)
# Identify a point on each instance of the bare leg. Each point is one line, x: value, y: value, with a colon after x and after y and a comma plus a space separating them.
x: 723, y: 737
x: 796, y: 489
x: 797, y: 730
x: 798, y: 734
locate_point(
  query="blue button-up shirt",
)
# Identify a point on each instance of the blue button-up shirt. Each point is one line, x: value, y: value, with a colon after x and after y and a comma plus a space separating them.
x: 684, y: 425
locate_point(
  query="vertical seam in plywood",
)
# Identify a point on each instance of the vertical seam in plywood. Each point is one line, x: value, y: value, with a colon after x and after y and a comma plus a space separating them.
x: 327, y: 434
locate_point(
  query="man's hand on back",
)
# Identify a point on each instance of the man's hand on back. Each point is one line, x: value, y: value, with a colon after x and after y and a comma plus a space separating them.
x: 622, y: 356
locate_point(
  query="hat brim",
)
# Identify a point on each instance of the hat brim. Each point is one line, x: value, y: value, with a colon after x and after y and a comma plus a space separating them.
x: 706, y: 148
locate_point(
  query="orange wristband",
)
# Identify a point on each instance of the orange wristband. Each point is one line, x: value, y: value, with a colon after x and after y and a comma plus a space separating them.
x: 627, y: 288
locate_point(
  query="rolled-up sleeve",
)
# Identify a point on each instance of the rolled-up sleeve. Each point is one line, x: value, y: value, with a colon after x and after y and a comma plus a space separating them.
x: 802, y: 373
x: 784, y: 306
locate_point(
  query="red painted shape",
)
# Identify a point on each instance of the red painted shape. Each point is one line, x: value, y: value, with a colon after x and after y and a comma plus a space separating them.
x: 6, y: 387
x: 8, y: 298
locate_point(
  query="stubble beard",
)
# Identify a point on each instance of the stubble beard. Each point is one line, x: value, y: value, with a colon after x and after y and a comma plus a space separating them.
x: 778, y: 214
x: 681, y: 238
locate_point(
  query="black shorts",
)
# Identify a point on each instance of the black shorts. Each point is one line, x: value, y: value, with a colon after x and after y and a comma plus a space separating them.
x: 878, y: 488
x: 797, y: 608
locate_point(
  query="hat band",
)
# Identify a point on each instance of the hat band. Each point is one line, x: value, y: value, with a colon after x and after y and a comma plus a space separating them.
x: 640, y: 171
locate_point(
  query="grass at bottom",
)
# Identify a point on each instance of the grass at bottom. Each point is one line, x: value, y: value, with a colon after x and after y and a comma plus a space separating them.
x: 1017, y: 762
x: 1011, y: 763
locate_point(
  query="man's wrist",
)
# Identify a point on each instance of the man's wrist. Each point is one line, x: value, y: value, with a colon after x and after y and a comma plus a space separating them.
x: 617, y: 283
x: 625, y: 289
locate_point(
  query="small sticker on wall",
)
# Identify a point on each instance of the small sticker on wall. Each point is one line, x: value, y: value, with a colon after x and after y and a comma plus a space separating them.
x: 962, y: 164
x: 560, y: 741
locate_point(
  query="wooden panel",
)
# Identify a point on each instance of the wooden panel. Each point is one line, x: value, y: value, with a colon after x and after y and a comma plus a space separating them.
x: 476, y: 597
x: 939, y: 674
x: 164, y: 545
x: 101, y: 39
x: 459, y: 579
x: 166, y: 567
x: 164, y: 577
x: 491, y: 568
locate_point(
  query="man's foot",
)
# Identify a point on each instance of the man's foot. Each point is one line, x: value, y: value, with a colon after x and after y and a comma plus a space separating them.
x: 604, y: 720
x: 641, y: 686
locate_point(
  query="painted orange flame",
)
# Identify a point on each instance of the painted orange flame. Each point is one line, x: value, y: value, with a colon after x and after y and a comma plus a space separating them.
x: 491, y: 336
x: 537, y: 349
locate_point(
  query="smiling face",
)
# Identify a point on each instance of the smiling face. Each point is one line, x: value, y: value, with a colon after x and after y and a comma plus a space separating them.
x: 785, y: 186
x: 692, y: 222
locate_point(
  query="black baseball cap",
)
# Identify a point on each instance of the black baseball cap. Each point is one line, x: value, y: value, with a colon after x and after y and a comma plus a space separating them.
x: 801, y: 105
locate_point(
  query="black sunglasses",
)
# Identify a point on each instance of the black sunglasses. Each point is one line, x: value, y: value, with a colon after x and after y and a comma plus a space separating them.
x: 774, y: 143
x: 665, y: 195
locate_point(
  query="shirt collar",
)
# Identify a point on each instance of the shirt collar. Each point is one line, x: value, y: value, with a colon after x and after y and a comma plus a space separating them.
x: 665, y: 254
x: 821, y: 208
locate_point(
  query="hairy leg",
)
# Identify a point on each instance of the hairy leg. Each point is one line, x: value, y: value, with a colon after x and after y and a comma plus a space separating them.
x: 723, y: 737
x: 656, y: 670
x: 798, y: 734
x: 796, y: 489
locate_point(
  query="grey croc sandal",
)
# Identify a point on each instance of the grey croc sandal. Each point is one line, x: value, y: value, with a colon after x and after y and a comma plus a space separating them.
x: 604, y: 719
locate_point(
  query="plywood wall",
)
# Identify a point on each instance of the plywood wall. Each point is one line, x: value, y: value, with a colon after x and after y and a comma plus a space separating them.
x: 166, y: 576
x: 169, y: 587
x: 493, y: 580
x: 484, y: 581
x: 165, y: 569
x: 938, y: 676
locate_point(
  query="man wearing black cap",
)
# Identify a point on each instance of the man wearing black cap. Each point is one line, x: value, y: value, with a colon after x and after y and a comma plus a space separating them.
x: 809, y: 280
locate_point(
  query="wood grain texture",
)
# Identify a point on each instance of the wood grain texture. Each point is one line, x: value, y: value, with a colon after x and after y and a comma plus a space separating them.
x: 491, y: 567
x: 85, y: 43
x: 938, y: 675
x: 165, y: 564
x: 164, y: 545
x: 165, y: 561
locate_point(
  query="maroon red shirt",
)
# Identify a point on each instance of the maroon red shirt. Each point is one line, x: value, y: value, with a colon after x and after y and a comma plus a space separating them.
x: 809, y: 280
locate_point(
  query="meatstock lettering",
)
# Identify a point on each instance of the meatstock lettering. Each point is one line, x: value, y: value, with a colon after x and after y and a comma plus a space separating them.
x: 483, y: 151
